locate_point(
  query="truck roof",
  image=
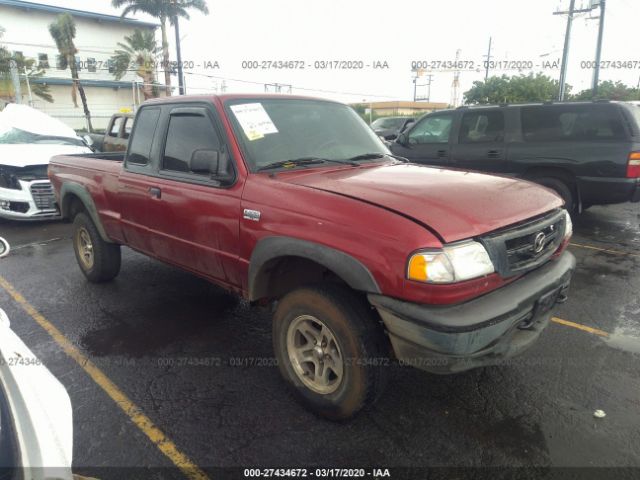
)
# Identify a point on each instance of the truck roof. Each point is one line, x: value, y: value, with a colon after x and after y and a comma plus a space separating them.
x: 232, y: 96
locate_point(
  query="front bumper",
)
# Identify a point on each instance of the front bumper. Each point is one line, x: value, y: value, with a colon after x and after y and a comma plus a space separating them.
x: 34, y: 201
x: 482, y: 331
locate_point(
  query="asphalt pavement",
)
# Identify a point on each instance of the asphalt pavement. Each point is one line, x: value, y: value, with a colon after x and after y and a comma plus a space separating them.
x: 197, y: 363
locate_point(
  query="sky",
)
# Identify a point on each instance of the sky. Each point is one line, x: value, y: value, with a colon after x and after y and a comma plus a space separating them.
x: 391, y: 36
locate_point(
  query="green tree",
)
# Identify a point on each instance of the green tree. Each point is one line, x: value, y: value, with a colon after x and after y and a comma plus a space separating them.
x: 515, y: 89
x: 609, y: 90
x: 140, y: 49
x: 27, y: 67
x: 163, y: 10
x: 63, y: 31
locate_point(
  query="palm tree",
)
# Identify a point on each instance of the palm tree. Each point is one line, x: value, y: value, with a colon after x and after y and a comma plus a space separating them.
x: 163, y: 10
x: 140, y: 49
x: 63, y: 31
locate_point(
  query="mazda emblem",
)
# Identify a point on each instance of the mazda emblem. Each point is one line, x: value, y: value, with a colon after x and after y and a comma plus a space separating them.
x: 538, y: 242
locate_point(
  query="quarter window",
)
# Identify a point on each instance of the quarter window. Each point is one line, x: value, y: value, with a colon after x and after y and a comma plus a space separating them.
x: 187, y: 134
x: 482, y: 127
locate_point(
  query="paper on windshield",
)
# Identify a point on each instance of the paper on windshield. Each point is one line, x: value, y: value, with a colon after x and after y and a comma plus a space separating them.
x: 254, y: 120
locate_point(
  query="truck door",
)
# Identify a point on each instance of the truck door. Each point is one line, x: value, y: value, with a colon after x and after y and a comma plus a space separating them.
x: 480, y: 142
x: 194, y: 220
x: 134, y: 181
x: 428, y: 140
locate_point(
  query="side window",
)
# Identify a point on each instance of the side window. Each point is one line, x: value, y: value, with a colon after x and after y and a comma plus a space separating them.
x: 115, y: 127
x: 140, y: 145
x: 128, y: 122
x: 433, y: 129
x: 482, y: 127
x: 187, y: 135
x: 571, y: 122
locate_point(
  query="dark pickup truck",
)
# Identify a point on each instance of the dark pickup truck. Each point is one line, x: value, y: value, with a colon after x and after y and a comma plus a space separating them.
x: 295, y: 202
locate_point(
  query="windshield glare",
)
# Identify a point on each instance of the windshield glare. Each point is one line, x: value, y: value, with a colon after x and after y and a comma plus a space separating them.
x: 15, y: 136
x: 293, y: 129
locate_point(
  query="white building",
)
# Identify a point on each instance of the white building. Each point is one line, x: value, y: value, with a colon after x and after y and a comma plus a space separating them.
x: 26, y: 28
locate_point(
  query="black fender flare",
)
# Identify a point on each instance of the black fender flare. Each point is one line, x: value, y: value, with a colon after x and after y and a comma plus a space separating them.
x: 67, y: 191
x: 349, y: 269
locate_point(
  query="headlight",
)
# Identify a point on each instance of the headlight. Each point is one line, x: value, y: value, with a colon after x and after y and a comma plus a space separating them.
x: 568, y: 226
x: 453, y: 263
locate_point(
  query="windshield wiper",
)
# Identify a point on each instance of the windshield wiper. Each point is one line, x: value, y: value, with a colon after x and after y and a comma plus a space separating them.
x: 304, y: 161
x: 373, y: 156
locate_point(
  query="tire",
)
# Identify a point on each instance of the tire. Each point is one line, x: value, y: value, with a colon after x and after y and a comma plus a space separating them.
x: 99, y: 261
x: 356, y: 355
x: 559, y: 186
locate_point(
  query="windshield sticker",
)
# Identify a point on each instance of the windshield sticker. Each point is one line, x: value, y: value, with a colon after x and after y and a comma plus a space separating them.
x: 254, y: 120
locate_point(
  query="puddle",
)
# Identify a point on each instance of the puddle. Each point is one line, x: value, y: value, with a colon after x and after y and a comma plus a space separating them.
x: 626, y: 336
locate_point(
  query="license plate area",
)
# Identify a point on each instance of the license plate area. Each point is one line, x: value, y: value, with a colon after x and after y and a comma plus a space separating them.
x: 547, y: 301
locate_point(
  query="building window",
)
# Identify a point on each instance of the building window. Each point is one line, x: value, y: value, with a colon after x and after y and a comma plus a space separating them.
x: 91, y: 64
x: 43, y: 60
x: 78, y: 63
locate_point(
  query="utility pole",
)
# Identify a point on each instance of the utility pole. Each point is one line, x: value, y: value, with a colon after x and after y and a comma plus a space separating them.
x: 430, y: 77
x: 565, y: 50
x: 181, y: 89
x: 596, y: 71
x: 488, y: 55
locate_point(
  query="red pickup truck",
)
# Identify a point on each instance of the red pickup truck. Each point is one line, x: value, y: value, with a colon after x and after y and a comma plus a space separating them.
x: 295, y: 202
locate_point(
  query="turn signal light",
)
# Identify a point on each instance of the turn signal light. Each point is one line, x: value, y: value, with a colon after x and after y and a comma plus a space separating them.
x: 633, y: 167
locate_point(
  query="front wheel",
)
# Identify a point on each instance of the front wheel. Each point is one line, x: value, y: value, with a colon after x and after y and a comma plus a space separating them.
x: 99, y: 261
x: 330, y: 349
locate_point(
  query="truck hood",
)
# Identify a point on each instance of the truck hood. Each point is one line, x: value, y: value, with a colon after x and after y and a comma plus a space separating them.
x: 26, y: 154
x: 455, y: 204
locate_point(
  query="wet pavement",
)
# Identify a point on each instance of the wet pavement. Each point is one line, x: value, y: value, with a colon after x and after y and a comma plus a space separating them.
x: 198, y: 362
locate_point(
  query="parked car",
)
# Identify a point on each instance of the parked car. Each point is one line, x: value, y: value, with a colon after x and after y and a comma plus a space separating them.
x: 36, y: 425
x: 296, y: 201
x: 28, y: 139
x: 116, y: 135
x: 390, y: 127
x: 588, y: 152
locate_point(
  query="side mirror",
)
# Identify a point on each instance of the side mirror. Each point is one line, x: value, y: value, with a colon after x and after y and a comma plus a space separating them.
x: 4, y: 247
x: 88, y: 140
x: 213, y: 163
x: 402, y: 138
x: 205, y: 162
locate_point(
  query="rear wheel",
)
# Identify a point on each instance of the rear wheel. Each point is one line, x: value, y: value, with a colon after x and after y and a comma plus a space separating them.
x: 99, y: 261
x: 562, y: 188
x: 331, y: 350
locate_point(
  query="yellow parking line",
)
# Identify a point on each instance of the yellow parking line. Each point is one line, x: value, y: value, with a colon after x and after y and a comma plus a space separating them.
x: 144, y: 423
x: 579, y: 326
x: 605, y: 250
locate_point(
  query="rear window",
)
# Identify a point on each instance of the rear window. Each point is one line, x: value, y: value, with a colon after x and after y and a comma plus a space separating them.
x: 571, y: 123
x: 140, y: 145
x: 634, y: 109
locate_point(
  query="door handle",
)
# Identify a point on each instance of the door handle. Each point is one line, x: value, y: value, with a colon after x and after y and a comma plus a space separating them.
x: 494, y: 153
x: 155, y: 192
x: 441, y: 153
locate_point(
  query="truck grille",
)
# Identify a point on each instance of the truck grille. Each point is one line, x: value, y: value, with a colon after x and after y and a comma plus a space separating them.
x: 42, y: 193
x: 526, y: 246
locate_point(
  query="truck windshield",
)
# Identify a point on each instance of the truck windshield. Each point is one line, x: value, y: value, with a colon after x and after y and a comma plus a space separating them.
x: 276, y: 130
